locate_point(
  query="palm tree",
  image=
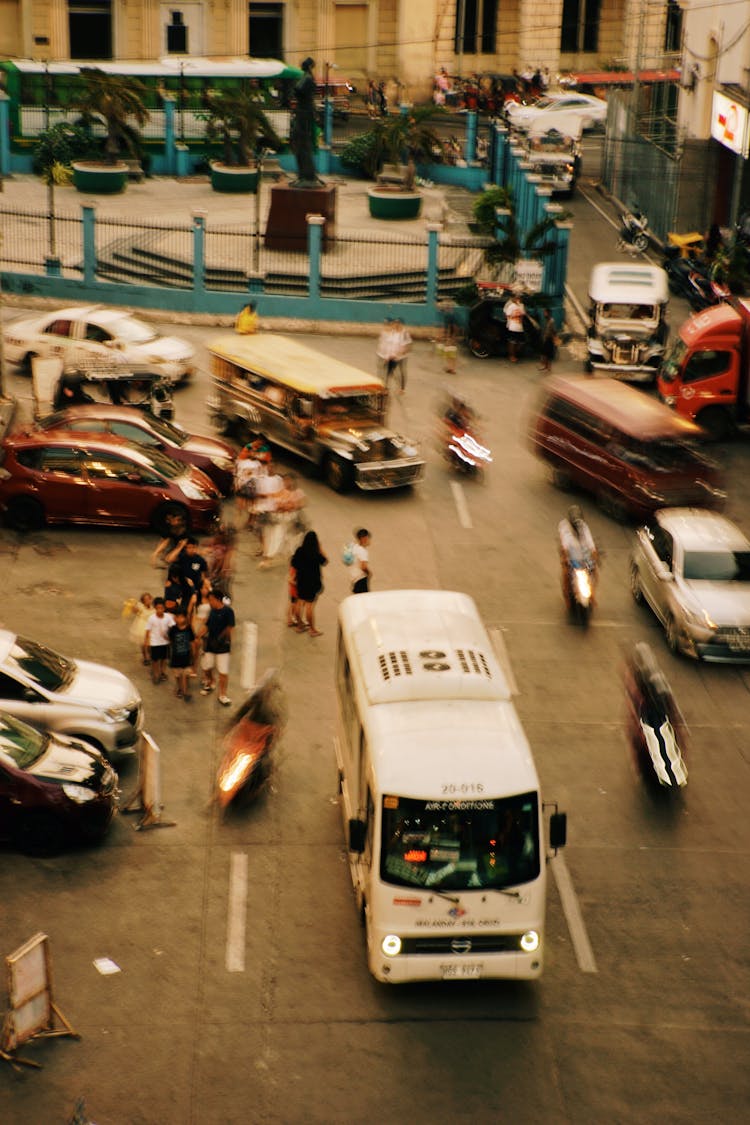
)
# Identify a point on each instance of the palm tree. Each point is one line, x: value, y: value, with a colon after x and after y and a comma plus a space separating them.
x: 240, y: 122
x: 114, y: 98
x: 396, y: 139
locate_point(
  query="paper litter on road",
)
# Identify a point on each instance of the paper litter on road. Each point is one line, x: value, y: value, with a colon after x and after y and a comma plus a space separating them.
x: 106, y: 966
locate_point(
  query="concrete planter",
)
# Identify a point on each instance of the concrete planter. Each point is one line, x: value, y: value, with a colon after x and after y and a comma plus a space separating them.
x: 394, y: 204
x: 95, y: 177
x: 233, y: 178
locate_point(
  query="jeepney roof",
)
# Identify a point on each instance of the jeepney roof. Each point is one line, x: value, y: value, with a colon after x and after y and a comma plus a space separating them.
x: 293, y: 364
x: 628, y: 283
x: 624, y: 408
x: 421, y: 645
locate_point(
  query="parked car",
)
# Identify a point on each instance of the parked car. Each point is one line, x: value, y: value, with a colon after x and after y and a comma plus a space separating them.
x: 693, y: 568
x: 590, y: 111
x: 73, y: 697
x: 89, y: 335
x: 63, y: 477
x: 213, y: 457
x: 53, y: 789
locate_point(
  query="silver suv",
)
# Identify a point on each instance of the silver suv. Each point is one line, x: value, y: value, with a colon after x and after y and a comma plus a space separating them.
x: 73, y: 697
x: 693, y: 568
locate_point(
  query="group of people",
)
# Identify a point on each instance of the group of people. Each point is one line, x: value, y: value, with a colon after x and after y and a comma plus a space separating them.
x: 194, y: 634
x: 271, y: 501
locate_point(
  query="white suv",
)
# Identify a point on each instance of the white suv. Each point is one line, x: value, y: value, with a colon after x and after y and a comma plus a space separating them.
x: 73, y: 697
x: 693, y: 568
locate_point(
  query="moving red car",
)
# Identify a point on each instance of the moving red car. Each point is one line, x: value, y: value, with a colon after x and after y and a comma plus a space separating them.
x: 213, y: 457
x: 62, y: 477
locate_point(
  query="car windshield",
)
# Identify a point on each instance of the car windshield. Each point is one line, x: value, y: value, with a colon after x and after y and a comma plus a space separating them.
x: 460, y: 845
x: 162, y: 463
x: 717, y: 566
x: 352, y: 407
x: 132, y: 331
x: 21, y: 743
x: 41, y: 664
x: 544, y: 103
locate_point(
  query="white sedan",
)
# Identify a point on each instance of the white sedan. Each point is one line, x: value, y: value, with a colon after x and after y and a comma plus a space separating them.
x: 585, y: 108
x: 93, y: 335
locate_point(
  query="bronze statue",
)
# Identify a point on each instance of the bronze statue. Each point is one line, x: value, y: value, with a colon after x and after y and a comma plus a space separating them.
x: 302, y: 135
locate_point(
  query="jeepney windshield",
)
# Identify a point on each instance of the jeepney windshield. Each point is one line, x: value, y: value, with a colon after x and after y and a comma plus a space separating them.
x: 355, y: 407
x: 670, y: 368
x: 460, y: 844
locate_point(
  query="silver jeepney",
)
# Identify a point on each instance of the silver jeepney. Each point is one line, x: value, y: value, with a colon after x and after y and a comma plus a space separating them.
x: 319, y: 408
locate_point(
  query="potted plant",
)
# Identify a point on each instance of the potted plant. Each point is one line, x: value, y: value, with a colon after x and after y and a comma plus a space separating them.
x: 240, y: 123
x: 113, y: 99
x: 388, y: 153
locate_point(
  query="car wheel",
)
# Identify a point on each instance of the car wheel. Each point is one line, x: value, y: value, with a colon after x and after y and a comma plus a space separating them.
x: 716, y: 422
x: 165, y: 516
x: 478, y: 349
x: 672, y: 634
x: 560, y: 479
x: 337, y: 474
x: 25, y: 514
x: 40, y: 834
x: 612, y: 505
x: 635, y: 585
x: 25, y: 366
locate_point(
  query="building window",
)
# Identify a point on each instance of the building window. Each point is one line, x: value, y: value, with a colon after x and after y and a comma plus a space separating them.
x: 580, y: 26
x: 90, y: 29
x: 673, y: 28
x: 266, y: 31
x: 476, y: 27
x: 177, y: 34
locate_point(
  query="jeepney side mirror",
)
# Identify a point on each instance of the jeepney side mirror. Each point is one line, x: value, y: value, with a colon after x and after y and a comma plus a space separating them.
x: 558, y: 830
x: 357, y: 835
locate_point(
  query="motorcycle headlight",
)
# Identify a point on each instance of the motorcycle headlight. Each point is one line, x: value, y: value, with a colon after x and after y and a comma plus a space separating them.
x: 117, y: 714
x: 391, y: 945
x: 78, y: 793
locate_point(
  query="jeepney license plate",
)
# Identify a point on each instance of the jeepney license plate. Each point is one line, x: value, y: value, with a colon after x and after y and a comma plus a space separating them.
x: 462, y: 971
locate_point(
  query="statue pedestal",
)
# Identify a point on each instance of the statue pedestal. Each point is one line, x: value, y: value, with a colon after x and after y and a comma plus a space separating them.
x: 286, y: 228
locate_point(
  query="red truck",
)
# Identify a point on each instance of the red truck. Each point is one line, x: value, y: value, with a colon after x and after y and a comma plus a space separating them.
x: 706, y: 374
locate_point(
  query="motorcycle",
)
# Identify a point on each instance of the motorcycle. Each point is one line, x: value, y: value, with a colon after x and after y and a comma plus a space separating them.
x: 459, y: 442
x: 656, y: 728
x: 249, y: 743
x: 634, y: 232
x: 692, y: 280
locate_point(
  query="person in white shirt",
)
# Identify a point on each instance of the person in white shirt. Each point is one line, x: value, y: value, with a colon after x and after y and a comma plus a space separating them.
x: 157, y: 639
x: 360, y: 567
x: 393, y: 347
x: 514, y: 313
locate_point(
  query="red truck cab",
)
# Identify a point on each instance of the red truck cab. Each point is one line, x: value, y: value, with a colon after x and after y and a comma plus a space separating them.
x: 704, y: 376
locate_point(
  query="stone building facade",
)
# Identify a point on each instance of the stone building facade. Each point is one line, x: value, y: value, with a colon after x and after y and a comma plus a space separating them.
x: 399, y: 41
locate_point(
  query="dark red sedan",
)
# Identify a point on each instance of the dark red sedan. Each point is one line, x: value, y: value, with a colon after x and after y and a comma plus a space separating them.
x: 62, y: 477
x: 213, y: 457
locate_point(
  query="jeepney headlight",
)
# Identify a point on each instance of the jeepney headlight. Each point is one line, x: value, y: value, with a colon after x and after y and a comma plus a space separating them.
x: 529, y: 941
x: 391, y: 945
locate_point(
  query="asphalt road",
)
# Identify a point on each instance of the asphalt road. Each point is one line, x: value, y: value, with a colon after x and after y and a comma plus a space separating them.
x: 302, y: 1034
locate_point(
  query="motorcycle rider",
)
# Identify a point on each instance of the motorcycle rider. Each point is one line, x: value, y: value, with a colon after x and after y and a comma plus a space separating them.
x: 656, y: 728
x: 577, y: 548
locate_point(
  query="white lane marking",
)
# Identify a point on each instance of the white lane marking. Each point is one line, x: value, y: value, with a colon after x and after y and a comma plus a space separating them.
x: 237, y: 913
x: 573, y: 916
x: 460, y: 501
x: 501, y: 652
x: 248, y: 670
